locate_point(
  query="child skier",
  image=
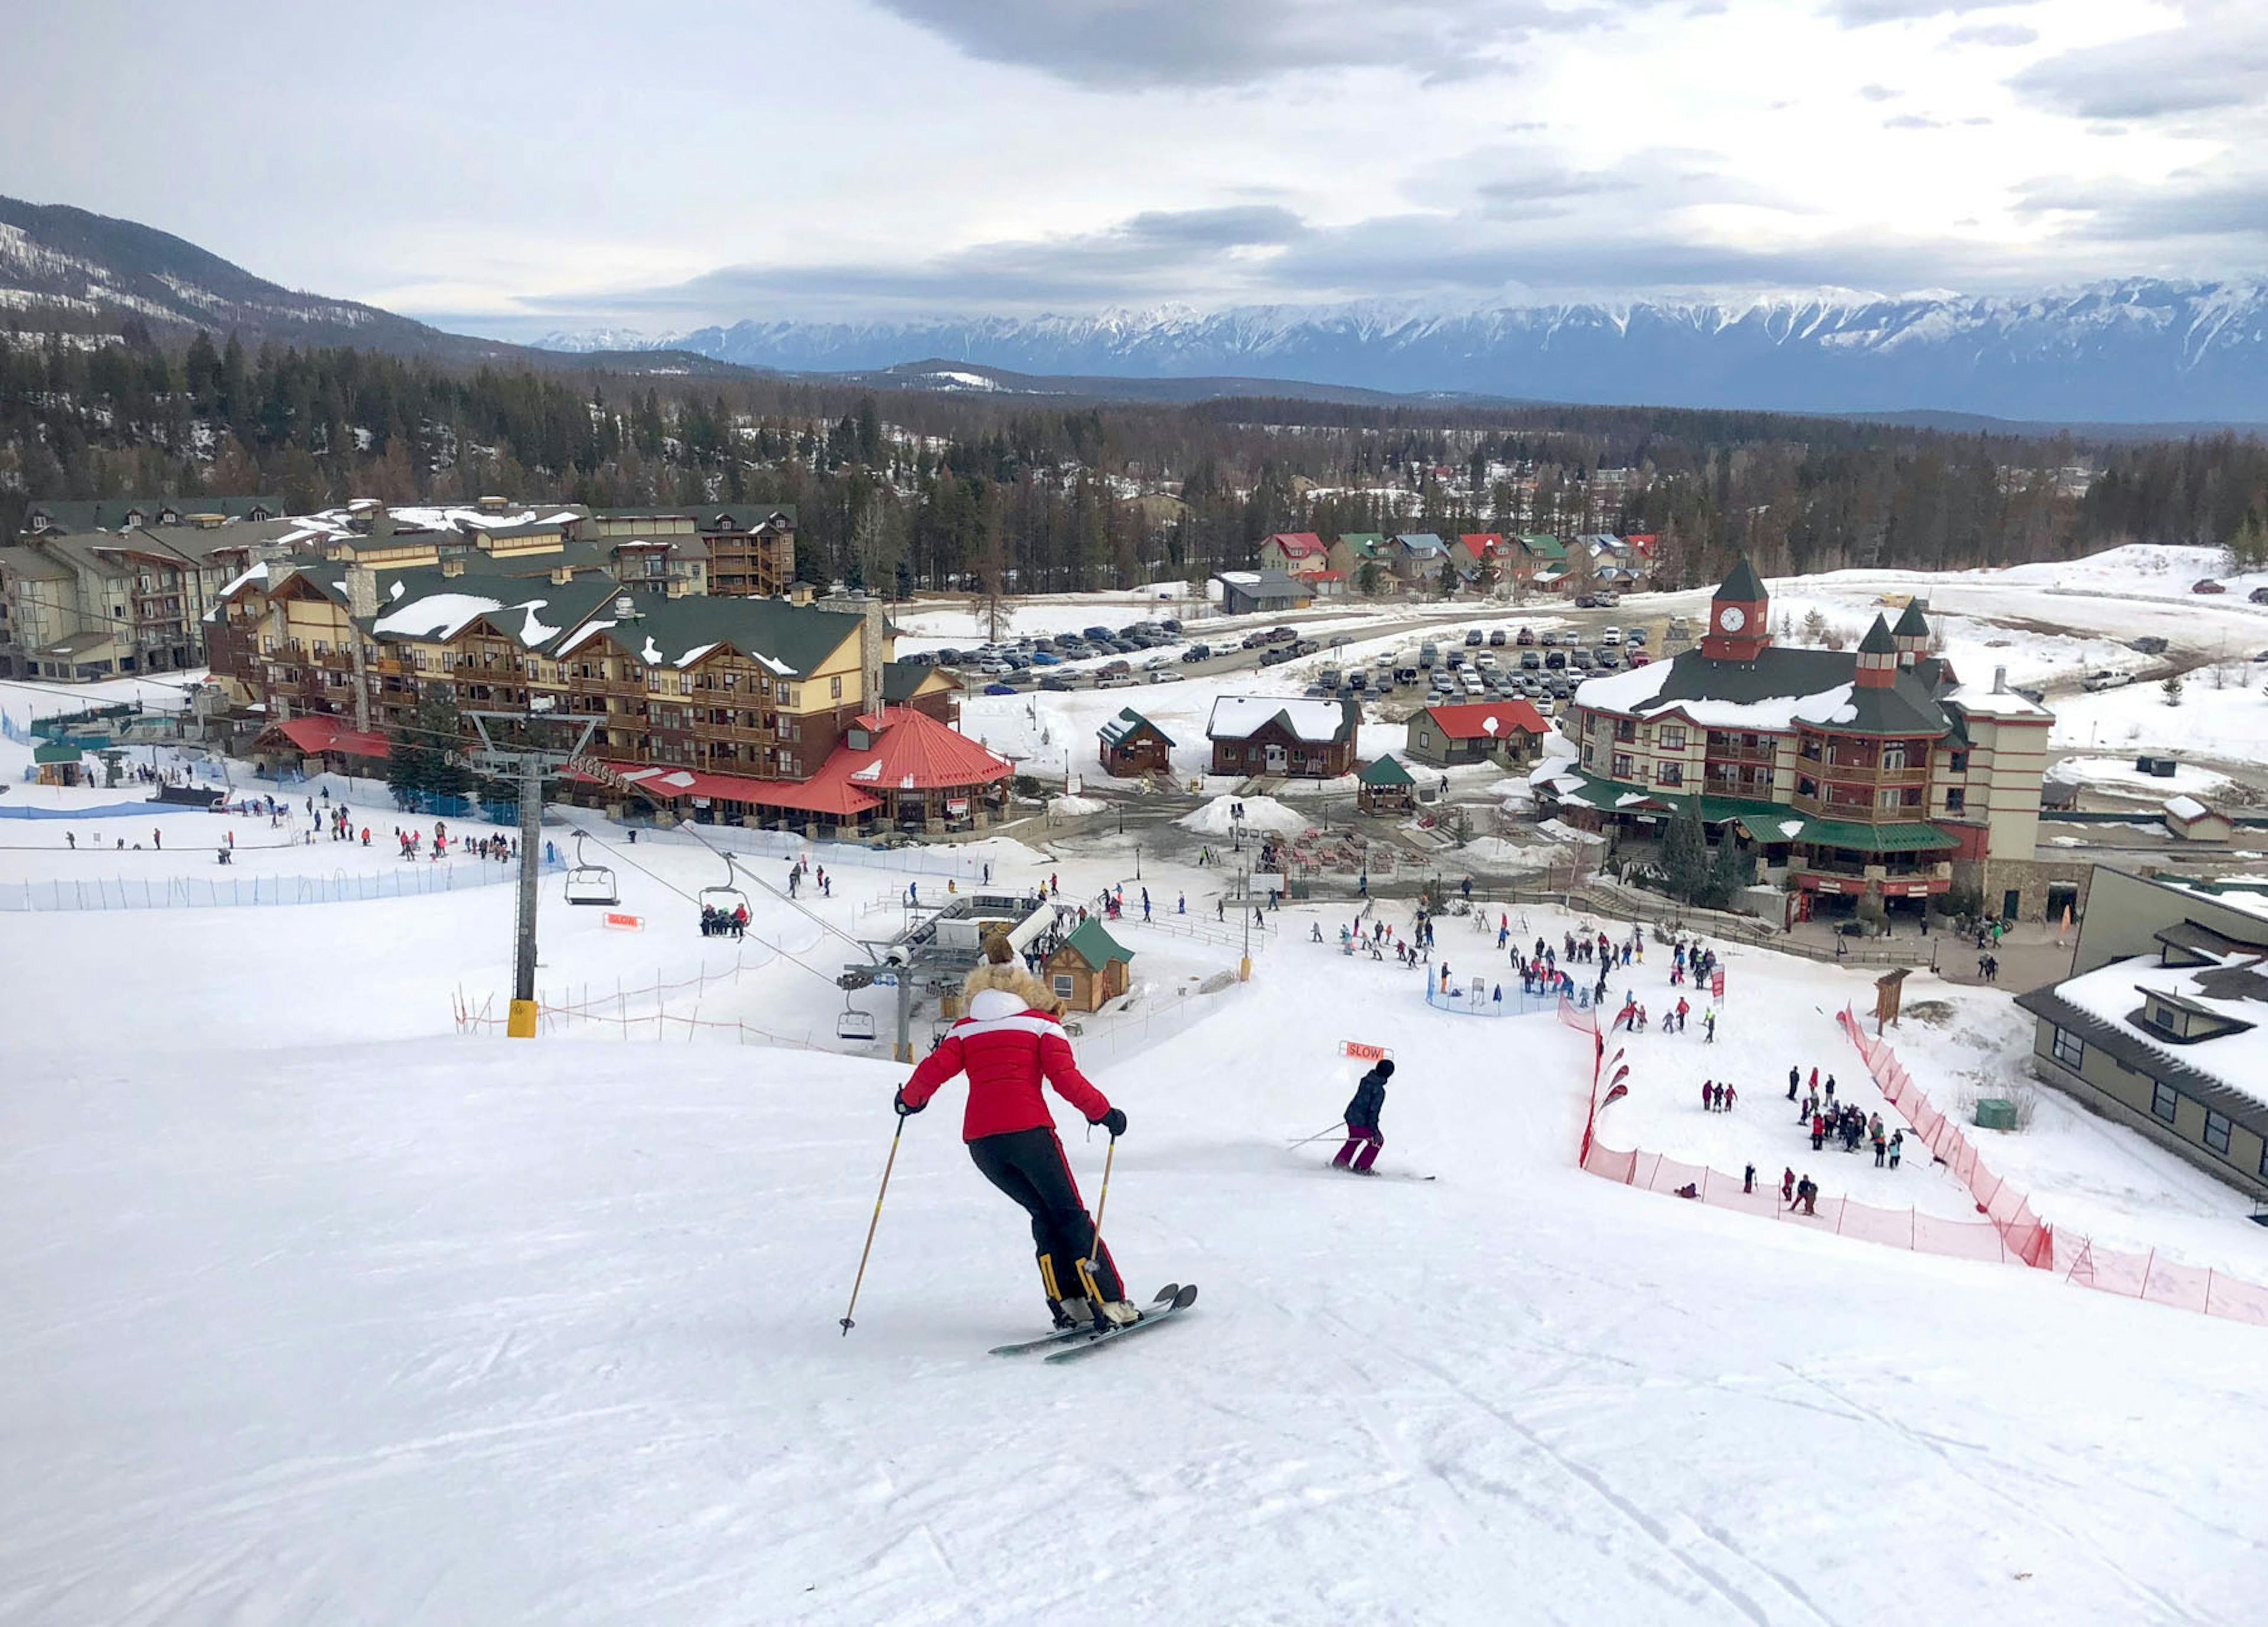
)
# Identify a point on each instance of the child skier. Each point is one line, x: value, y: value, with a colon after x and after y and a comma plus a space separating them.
x: 1362, y: 1121
x: 1009, y: 1041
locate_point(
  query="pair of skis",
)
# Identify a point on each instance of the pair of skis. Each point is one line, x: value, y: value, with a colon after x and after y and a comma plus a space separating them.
x: 1170, y: 1301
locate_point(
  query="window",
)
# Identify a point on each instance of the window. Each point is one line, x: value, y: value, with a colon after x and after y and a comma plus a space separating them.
x: 1888, y: 797
x: 2068, y: 1050
x: 1894, y: 755
x: 1062, y: 984
x: 834, y: 688
x: 1673, y: 736
x: 1806, y: 787
x: 2164, y: 1098
x: 1669, y: 773
x: 1622, y: 765
x: 2216, y: 1132
x: 1425, y: 740
x: 1587, y: 754
x: 1958, y: 762
x: 1957, y: 801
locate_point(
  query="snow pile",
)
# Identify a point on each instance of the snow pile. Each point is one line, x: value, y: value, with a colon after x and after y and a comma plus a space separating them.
x: 1559, y: 829
x: 1261, y: 813
x: 1069, y: 807
x: 1495, y: 851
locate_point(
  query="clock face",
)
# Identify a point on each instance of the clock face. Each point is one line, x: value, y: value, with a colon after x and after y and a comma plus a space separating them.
x: 1731, y: 618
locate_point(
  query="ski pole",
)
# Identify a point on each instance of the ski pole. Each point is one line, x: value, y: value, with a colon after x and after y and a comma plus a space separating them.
x: 1094, y: 1252
x: 1320, y: 1136
x: 888, y: 1164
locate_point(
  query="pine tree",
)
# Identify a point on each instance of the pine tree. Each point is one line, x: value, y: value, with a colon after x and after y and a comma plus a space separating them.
x: 1731, y: 870
x: 1685, y: 854
x: 2172, y: 690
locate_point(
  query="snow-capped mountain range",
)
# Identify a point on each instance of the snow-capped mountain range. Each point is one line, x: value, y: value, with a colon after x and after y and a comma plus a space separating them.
x: 2126, y: 351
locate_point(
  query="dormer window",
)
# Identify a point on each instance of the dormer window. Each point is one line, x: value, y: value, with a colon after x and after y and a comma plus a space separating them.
x: 862, y: 739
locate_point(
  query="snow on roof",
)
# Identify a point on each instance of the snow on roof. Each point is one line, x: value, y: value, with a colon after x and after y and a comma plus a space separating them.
x: 533, y: 631
x: 1317, y: 722
x: 2186, y: 808
x: 1638, y: 691
x: 436, y: 615
x: 583, y: 634
x: 1242, y: 579
x: 2002, y: 704
x: 255, y: 574
x: 2113, y: 994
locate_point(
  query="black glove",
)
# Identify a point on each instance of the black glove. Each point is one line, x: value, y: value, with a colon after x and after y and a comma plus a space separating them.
x: 904, y: 1107
x: 1114, y: 1122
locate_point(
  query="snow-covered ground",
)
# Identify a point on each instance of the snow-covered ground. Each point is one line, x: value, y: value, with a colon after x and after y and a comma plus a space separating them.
x: 2229, y: 722
x: 315, y: 1312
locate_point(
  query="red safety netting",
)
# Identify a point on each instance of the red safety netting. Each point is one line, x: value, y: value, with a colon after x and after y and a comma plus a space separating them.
x: 2009, y: 1232
x: 1910, y: 1228
x: 2026, y: 1237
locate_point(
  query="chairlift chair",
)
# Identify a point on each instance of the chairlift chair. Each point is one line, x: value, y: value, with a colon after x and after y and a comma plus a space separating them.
x: 852, y: 1024
x: 724, y: 898
x: 589, y: 883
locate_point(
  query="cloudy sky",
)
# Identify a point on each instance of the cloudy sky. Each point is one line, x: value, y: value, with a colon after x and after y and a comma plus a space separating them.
x: 512, y: 168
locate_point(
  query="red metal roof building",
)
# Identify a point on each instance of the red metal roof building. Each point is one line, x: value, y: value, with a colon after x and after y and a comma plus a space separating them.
x: 899, y: 766
x: 1295, y: 553
x: 1501, y: 731
x: 340, y: 748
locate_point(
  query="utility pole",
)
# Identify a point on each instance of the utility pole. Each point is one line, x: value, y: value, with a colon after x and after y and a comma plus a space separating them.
x: 527, y: 763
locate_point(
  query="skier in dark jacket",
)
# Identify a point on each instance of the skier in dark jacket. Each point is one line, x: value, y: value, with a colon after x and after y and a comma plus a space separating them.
x: 1362, y: 1121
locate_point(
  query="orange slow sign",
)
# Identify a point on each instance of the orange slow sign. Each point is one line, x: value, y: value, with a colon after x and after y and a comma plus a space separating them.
x: 627, y: 923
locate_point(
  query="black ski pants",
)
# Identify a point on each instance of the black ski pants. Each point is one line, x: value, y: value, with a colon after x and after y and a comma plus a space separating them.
x: 1029, y: 1166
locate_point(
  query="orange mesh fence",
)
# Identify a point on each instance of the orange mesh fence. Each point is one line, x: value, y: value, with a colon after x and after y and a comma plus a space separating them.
x: 2031, y: 1240
x: 2008, y: 1231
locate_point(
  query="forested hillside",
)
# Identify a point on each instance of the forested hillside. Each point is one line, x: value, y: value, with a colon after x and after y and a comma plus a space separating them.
x: 1067, y: 496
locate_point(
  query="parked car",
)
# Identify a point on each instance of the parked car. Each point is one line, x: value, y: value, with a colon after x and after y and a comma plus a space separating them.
x: 1357, y: 682
x: 2149, y: 644
x: 1498, y: 637
x: 1639, y: 658
x: 1427, y: 655
x: 1549, y: 639
x: 1171, y: 625
x: 1113, y: 670
x: 1587, y: 601
x: 1607, y: 599
x: 1560, y: 687
x: 1341, y: 638
x: 1554, y: 659
x: 950, y: 658
x: 1405, y: 675
x: 1116, y: 680
x: 999, y: 688
x: 1635, y: 635
x: 1046, y: 658
x: 1612, y: 635
x: 2207, y: 586
x: 1306, y: 647
x: 1608, y: 659
x: 1473, y: 636
x: 1276, y: 656
x: 1530, y: 661
x: 2107, y: 677
x: 1196, y: 653
x: 1580, y: 659
x: 1095, y: 635
x: 1056, y: 686
x: 1524, y: 638
x: 1484, y: 664
x: 1166, y: 675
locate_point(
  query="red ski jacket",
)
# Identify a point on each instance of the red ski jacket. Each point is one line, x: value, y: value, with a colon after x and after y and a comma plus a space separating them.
x: 1006, y: 1048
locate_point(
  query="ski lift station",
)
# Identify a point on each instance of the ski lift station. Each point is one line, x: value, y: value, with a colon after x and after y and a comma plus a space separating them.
x: 937, y: 950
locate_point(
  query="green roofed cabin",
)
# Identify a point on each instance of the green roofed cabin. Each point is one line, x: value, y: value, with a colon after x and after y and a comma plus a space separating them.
x: 1088, y: 967
x: 1132, y: 746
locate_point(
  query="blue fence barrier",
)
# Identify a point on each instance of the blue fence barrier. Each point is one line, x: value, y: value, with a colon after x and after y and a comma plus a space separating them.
x: 1482, y: 999
x: 194, y: 892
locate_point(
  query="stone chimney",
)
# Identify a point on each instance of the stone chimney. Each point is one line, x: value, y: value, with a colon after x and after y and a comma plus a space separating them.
x: 562, y: 574
x: 1999, y: 680
x: 870, y: 653
x: 362, y: 605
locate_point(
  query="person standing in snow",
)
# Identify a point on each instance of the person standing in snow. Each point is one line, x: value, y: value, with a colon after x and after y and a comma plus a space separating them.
x: 1009, y: 1045
x: 1794, y: 1078
x: 1362, y: 1121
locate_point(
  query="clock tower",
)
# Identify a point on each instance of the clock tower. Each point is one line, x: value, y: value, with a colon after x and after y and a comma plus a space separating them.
x: 1739, y: 619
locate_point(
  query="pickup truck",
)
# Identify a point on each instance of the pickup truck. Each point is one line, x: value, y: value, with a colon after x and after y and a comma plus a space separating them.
x: 2108, y: 678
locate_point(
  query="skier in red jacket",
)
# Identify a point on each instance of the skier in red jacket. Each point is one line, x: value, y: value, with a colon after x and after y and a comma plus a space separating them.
x: 1008, y: 1045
